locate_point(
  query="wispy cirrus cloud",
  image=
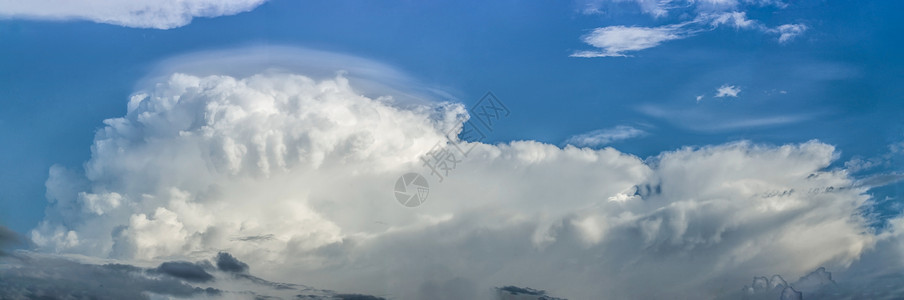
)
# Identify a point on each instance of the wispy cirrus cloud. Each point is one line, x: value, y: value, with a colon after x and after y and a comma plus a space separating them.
x: 657, y: 8
x: 621, y: 40
x: 617, y: 40
x: 164, y: 14
x: 661, y: 8
x: 705, y: 120
x: 789, y: 32
x: 603, y: 137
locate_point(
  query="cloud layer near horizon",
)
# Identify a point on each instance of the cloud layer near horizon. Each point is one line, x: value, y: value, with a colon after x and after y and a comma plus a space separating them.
x: 159, y: 14
x: 294, y: 176
x: 30, y: 275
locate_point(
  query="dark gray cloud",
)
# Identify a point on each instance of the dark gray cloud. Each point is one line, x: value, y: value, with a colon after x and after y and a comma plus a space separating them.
x: 228, y: 263
x: 185, y: 270
x: 7, y: 235
x: 45, y: 277
x: 518, y: 293
x: 255, y: 238
x: 358, y: 297
x: 29, y: 275
x: 522, y: 293
x: 819, y: 284
x: 9, y: 238
x: 519, y: 290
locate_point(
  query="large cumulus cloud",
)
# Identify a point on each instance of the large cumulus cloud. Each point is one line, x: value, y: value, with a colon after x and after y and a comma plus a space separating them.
x: 294, y: 175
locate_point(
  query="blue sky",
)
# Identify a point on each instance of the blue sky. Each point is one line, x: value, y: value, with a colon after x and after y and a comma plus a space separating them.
x: 837, y: 80
x: 61, y: 78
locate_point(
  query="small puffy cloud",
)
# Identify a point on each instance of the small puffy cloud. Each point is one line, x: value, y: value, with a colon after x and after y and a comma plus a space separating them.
x: 602, y: 137
x: 616, y: 40
x: 789, y: 32
x: 857, y: 164
x: 162, y: 14
x: 727, y: 91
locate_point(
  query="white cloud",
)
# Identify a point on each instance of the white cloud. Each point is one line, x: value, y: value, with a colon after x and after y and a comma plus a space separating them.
x: 98, y: 204
x: 707, y: 15
x: 603, y: 137
x: 160, y: 14
x: 616, y: 40
x: 701, y: 119
x: 896, y: 148
x: 657, y: 8
x: 789, y: 32
x: 202, y: 163
x: 661, y: 8
x: 735, y: 19
x: 372, y: 79
x: 858, y: 164
x: 699, y: 98
x: 727, y: 91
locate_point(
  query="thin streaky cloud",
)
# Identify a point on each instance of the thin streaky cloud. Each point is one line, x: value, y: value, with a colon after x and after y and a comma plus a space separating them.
x: 603, y: 137
x: 621, y: 40
x: 697, y: 119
